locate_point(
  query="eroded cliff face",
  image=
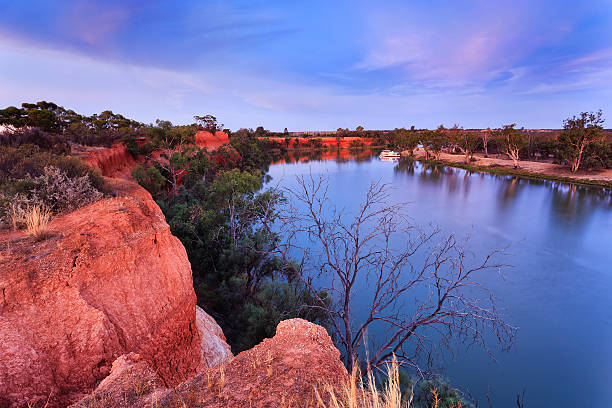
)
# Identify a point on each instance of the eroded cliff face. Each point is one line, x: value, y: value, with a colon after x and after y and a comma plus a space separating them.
x: 115, y: 161
x: 283, y: 371
x: 210, y: 141
x: 110, y: 280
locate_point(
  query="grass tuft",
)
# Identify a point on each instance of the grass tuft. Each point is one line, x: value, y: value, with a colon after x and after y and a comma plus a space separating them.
x: 37, y: 218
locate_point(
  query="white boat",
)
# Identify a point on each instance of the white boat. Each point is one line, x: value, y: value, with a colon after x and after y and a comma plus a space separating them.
x: 389, y: 155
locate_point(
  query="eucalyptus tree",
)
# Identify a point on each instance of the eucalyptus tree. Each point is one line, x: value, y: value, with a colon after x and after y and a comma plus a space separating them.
x: 511, y: 141
x: 579, y: 132
x: 466, y: 142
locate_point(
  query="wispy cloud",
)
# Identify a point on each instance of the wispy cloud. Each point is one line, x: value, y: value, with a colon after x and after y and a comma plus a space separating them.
x: 315, y: 64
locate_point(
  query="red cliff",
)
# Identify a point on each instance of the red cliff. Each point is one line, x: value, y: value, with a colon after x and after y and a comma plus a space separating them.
x: 110, y: 280
x: 112, y: 162
x: 210, y: 141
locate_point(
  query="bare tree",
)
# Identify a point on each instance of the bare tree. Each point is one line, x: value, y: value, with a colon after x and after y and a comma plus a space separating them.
x: 423, y: 287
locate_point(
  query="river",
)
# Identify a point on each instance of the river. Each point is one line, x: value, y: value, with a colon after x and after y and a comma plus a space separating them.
x: 558, y: 290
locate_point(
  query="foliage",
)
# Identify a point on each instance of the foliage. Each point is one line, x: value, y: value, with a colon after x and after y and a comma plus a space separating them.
x: 224, y: 221
x: 208, y: 123
x: 465, y: 141
x: 578, y: 134
x: 405, y: 139
x: 34, y: 136
x: 252, y: 150
x: 396, y: 390
x: 30, y: 161
x: 30, y: 176
x: 434, y: 141
x: 97, y: 129
x: 511, y: 141
x: 61, y: 193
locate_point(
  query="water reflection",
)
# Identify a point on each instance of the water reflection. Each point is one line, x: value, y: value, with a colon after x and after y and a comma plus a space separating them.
x: 568, y: 203
x: 557, y: 290
x: 339, y: 156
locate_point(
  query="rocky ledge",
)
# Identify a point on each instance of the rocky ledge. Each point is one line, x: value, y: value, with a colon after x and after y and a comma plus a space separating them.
x: 283, y: 371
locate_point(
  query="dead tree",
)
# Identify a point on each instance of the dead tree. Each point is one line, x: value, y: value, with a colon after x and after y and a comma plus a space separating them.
x: 424, y: 287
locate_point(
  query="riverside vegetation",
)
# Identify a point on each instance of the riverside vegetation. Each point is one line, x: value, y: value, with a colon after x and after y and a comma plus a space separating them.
x: 245, y: 271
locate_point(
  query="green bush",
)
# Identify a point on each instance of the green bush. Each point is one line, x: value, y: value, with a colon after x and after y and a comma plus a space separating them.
x: 31, y: 176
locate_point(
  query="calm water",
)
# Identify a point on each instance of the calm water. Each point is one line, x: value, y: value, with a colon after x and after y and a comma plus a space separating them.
x: 558, y: 292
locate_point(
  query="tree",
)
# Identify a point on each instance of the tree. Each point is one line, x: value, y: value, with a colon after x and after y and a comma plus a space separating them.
x: 434, y: 141
x: 511, y: 141
x: 579, y: 132
x: 174, y: 157
x: 359, y: 129
x: 402, y: 264
x: 405, y: 139
x: 486, y: 136
x: 208, y: 123
x: 466, y: 142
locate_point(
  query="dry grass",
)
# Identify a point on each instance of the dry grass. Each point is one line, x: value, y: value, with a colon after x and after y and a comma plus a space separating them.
x: 363, y: 393
x: 33, y: 217
x: 360, y: 393
x: 37, y: 218
x: 17, y: 215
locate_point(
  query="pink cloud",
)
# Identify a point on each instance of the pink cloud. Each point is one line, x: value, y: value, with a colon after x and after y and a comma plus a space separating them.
x: 94, y: 23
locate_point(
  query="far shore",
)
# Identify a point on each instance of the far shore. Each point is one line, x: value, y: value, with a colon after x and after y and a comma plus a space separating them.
x: 527, y: 169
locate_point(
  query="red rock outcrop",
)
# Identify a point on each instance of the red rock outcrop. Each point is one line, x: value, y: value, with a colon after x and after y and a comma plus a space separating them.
x: 279, y: 372
x: 206, y: 139
x: 110, y: 280
x: 112, y: 162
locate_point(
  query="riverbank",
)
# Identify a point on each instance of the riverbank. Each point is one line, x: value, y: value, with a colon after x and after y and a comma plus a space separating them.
x: 528, y: 169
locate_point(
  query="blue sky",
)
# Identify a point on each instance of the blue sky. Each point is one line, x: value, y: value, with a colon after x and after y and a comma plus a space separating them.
x: 313, y: 64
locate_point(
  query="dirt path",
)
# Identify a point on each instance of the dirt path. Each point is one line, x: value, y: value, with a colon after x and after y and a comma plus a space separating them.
x: 548, y: 169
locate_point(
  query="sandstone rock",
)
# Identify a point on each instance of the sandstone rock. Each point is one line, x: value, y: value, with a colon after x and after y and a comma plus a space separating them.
x: 215, y: 350
x: 279, y: 372
x: 110, y: 280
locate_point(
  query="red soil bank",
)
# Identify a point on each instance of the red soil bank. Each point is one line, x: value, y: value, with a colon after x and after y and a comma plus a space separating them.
x: 210, y: 141
x: 110, y: 280
x: 111, y: 161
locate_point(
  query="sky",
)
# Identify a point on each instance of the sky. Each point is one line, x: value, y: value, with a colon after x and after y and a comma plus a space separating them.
x: 310, y: 64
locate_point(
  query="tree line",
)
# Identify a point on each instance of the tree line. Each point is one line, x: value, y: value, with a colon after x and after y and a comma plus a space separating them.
x: 581, y: 143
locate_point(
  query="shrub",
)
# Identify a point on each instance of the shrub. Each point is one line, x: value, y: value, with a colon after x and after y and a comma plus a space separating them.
x: 62, y: 193
x: 30, y: 176
x: 150, y: 178
x: 29, y: 161
x: 34, y: 136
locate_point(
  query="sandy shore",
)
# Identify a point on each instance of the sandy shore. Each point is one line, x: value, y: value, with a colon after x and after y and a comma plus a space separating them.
x: 603, y: 177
